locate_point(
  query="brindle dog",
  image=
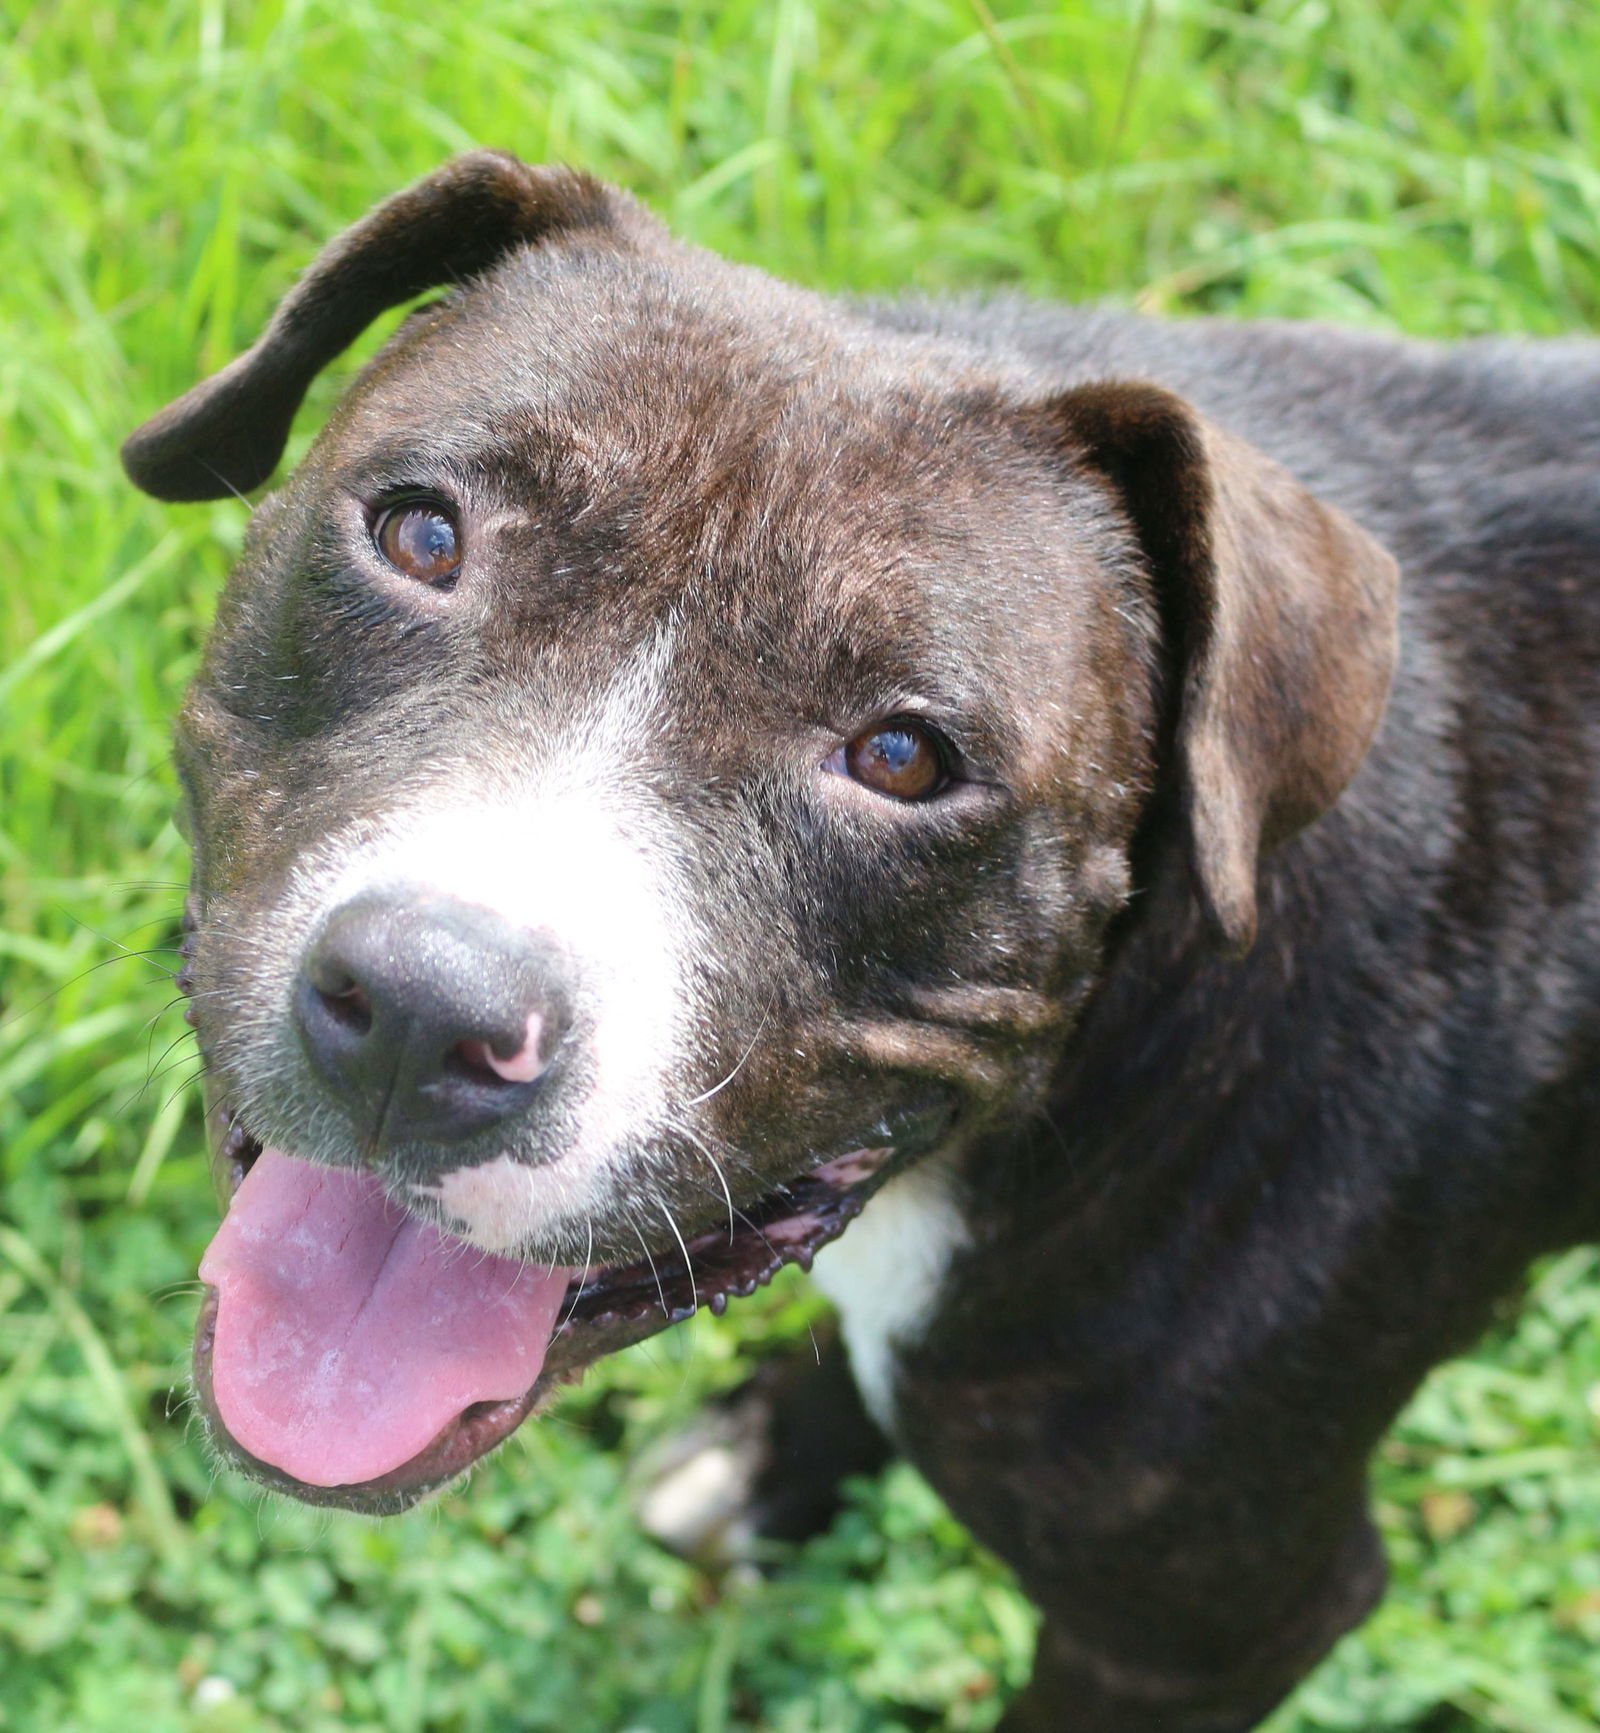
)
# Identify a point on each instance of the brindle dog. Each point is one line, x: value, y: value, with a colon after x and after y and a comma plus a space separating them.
x: 685, y: 762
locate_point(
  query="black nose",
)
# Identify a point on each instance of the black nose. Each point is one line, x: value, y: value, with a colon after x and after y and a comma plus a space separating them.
x: 432, y: 1018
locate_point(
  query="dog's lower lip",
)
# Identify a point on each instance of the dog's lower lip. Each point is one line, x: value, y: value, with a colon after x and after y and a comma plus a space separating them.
x: 605, y: 1310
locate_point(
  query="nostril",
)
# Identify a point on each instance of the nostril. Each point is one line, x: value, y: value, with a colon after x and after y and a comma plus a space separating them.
x: 476, y: 1058
x: 522, y: 1066
x: 350, y: 1007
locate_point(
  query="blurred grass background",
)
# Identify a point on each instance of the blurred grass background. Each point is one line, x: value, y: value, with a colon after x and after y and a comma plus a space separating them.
x: 165, y: 169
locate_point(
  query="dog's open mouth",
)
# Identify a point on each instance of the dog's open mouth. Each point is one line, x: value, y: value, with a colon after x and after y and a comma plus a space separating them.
x: 353, y: 1354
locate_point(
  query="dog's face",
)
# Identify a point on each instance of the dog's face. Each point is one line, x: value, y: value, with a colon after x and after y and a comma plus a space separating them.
x: 668, y: 757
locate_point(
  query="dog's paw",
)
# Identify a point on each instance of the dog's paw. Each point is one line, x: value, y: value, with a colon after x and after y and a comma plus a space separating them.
x: 698, y: 1489
x: 765, y: 1465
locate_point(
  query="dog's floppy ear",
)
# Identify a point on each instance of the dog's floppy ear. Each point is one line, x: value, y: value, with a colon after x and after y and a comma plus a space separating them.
x: 228, y: 433
x: 1279, y: 619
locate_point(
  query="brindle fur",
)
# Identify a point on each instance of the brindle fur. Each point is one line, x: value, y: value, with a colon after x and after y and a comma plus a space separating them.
x: 1244, y: 1149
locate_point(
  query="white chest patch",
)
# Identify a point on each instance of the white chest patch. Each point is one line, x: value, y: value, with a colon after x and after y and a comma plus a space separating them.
x: 887, y: 1272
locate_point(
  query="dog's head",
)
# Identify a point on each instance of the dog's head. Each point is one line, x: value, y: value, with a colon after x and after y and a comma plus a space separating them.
x: 670, y: 756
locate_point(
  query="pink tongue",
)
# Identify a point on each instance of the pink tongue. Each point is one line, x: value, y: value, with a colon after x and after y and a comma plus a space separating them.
x: 349, y: 1334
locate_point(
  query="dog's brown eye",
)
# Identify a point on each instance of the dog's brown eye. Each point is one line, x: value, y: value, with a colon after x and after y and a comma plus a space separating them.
x: 420, y: 540
x: 902, y: 760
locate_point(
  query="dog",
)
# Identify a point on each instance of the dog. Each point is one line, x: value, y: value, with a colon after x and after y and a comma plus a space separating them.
x: 690, y: 775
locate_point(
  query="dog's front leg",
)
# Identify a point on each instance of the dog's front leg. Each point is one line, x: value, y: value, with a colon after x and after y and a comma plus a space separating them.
x: 1081, y: 1686
x: 1189, y: 1574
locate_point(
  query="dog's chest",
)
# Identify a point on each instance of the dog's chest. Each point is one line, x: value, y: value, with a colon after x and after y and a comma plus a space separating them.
x: 887, y: 1275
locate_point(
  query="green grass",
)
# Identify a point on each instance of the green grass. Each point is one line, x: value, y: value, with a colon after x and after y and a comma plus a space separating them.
x: 166, y: 168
